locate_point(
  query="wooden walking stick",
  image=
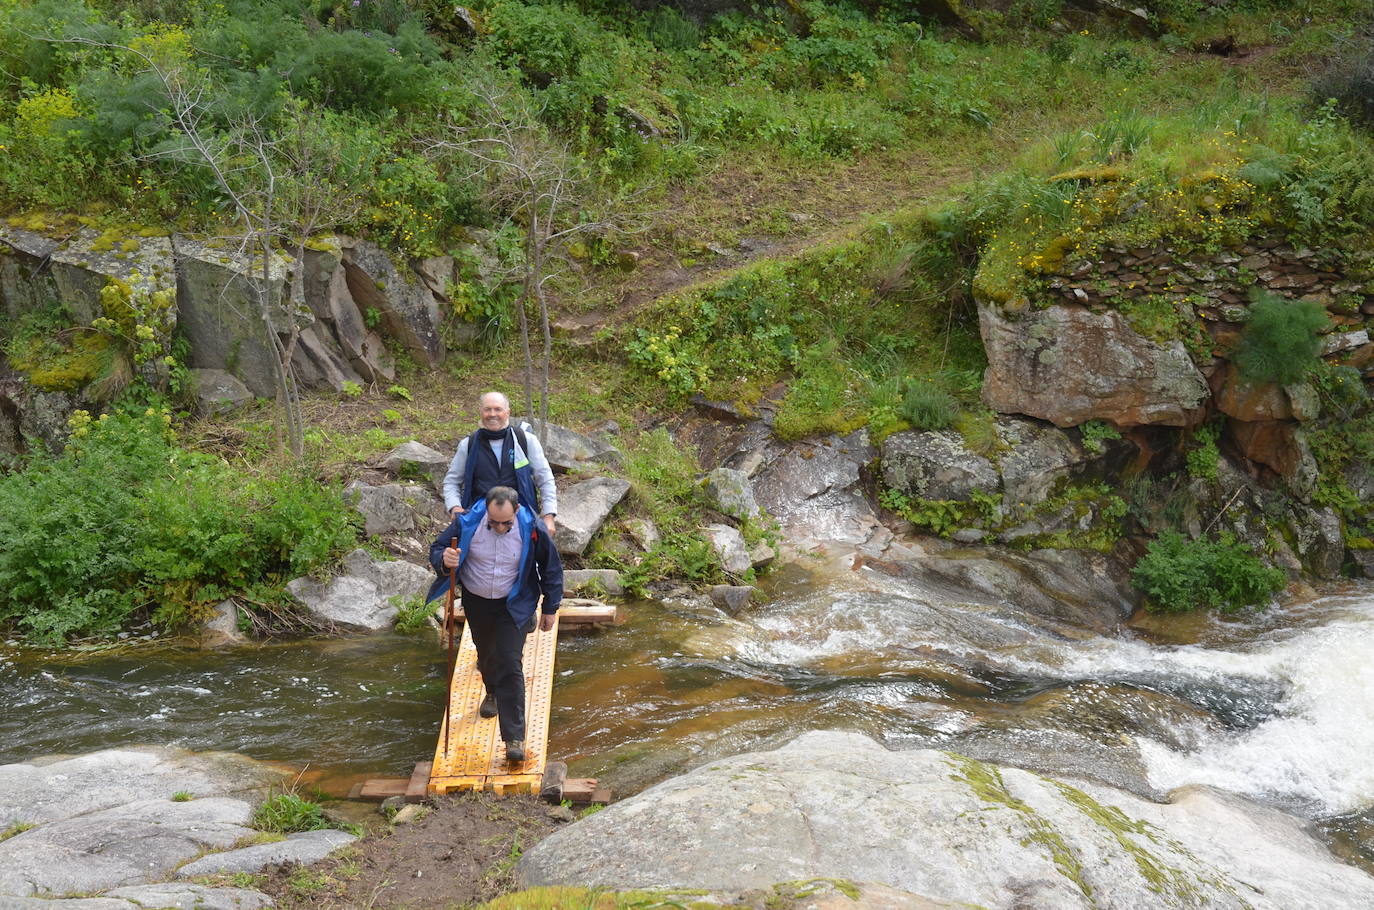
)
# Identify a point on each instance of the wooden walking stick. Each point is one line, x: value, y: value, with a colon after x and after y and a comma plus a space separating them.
x: 450, y: 624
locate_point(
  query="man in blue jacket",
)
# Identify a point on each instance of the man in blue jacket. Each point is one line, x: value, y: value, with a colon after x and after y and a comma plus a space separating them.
x: 506, y: 563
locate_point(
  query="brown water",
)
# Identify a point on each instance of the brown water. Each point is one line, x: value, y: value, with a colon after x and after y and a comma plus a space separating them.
x: 675, y: 685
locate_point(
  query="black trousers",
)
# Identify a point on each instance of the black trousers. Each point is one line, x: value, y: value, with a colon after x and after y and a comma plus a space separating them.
x: 500, y: 652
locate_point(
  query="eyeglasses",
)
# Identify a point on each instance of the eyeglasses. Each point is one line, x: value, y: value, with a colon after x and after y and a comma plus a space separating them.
x: 493, y: 525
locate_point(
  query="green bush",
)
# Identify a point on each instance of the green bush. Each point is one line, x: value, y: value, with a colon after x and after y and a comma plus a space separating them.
x: 125, y: 523
x: 1349, y: 79
x: 1177, y: 574
x: 1280, y: 342
x: 926, y: 406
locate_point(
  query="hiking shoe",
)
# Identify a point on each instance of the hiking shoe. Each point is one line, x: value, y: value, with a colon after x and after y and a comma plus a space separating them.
x: 515, y: 751
x: 488, y: 707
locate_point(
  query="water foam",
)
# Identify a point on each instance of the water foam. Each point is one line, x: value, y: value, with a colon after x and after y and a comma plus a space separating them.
x: 1314, y: 750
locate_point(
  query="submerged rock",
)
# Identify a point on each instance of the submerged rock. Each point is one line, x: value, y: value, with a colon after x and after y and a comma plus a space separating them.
x: 839, y: 806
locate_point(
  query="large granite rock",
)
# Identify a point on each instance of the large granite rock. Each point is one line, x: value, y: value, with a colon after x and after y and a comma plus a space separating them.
x: 364, y: 596
x: 405, y: 304
x: 304, y: 847
x: 419, y: 459
x: 1069, y: 365
x: 218, y: 391
x: 583, y: 509
x: 123, y: 845
x: 1247, y: 401
x: 36, y: 270
x: 42, y: 791
x: 319, y: 364
x: 568, y: 450
x: 186, y: 896
x: 813, y: 489
x: 1037, y: 456
x: 729, y: 491
x: 395, y: 507
x: 1074, y: 589
x: 839, y: 806
x: 935, y: 465
x: 325, y: 285
x: 729, y: 545
x: 225, y: 316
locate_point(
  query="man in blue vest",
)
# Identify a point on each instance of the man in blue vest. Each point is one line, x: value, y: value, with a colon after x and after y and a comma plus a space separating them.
x: 506, y: 564
x: 497, y: 454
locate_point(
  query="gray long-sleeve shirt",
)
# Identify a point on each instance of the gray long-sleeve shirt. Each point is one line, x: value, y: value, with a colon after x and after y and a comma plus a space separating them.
x: 544, y: 484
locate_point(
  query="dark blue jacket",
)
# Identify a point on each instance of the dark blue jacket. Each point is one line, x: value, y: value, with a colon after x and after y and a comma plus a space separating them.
x: 524, y: 471
x: 540, y: 572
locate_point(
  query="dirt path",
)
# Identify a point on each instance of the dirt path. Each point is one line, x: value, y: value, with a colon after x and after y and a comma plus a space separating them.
x: 459, y: 854
x: 741, y: 211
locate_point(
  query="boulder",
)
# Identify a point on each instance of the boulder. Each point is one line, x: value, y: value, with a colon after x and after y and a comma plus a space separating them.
x: 1038, y: 456
x: 415, y: 458
x: 1280, y: 446
x: 729, y: 546
x: 935, y: 465
x: 40, y: 792
x: 223, y: 628
x: 223, y: 314
x: 186, y: 896
x: 568, y: 450
x: 1072, y: 589
x: 218, y: 391
x: 1069, y: 365
x: 36, y: 270
x: 1248, y: 401
x: 1320, y: 539
x: 646, y: 535
x: 303, y: 847
x: 395, y: 507
x: 325, y: 284
x: 731, y: 598
x: 813, y: 489
x: 607, y: 580
x: 125, y: 844
x: 583, y: 508
x: 364, y: 596
x: 839, y: 806
x: 728, y: 491
x: 404, y: 303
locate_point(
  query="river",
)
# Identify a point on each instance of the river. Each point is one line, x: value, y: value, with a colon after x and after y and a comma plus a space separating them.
x: 1277, y: 705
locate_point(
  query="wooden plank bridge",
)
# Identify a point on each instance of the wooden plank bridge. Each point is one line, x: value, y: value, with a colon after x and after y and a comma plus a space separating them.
x: 470, y: 755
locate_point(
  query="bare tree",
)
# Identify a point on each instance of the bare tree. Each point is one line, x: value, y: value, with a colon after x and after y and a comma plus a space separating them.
x: 532, y: 177
x: 285, y: 181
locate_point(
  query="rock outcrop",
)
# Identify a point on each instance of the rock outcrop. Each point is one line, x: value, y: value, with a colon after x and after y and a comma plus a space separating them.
x: 365, y: 595
x: 1069, y: 365
x: 839, y: 806
x: 137, y: 815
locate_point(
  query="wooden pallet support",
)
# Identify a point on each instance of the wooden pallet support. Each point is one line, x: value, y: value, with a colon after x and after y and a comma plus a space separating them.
x: 551, y: 790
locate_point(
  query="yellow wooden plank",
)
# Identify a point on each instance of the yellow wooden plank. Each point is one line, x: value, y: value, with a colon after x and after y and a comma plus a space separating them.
x: 471, y: 755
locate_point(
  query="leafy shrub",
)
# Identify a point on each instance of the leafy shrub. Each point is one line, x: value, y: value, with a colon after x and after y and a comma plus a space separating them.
x: 1096, y: 434
x: 1280, y: 342
x: 1202, y: 456
x: 926, y: 406
x: 1350, y: 81
x: 125, y: 522
x: 1177, y: 574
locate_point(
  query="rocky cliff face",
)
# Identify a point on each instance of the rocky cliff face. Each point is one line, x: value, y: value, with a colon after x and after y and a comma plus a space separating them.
x: 1144, y: 338
x: 342, y: 301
